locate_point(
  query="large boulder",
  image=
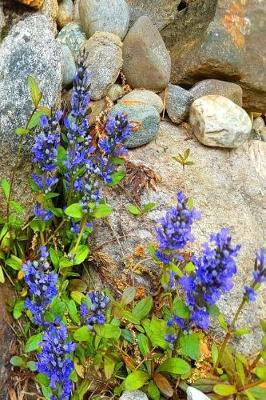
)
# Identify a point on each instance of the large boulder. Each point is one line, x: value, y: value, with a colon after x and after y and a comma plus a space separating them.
x: 221, y: 39
x: 228, y: 186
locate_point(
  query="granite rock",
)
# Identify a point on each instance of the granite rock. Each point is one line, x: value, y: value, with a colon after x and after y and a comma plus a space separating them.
x: 178, y: 102
x: 74, y: 37
x: 65, y: 13
x: 138, y: 96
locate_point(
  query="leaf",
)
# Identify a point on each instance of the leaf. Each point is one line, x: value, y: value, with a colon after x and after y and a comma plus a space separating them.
x: 18, y: 309
x: 148, y: 207
x: 81, y: 255
x: 14, y: 262
x: 78, y: 285
x: 261, y: 372
x: 77, y: 296
x: 2, y: 277
x: 153, y: 391
x: 73, y: 312
x: 109, y: 366
x: 108, y: 331
x: 190, y: 346
x: 5, y: 185
x: 263, y: 325
x: 35, y: 92
x: 82, y: 334
x: 224, y: 390
x: 143, y: 344
x: 134, y: 210
x: 74, y: 211
x: 117, y: 177
x: 102, y: 211
x: 54, y: 257
x: 156, y: 330
x: 242, y: 332
x: 31, y: 365
x: 128, y: 295
x: 142, y: 308
x: 22, y: 131
x: 35, y: 120
x: 135, y: 380
x: 17, y: 207
x: 81, y: 390
x: 164, y: 385
x: 33, y: 343
x: 17, y: 361
x: 215, y: 353
x: 175, y: 366
x: 130, y: 317
x: 180, y: 309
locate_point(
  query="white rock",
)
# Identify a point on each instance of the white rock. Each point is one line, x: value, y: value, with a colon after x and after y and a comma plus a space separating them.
x: 218, y: 122
x: 195, y: 394
x: 133, y: 395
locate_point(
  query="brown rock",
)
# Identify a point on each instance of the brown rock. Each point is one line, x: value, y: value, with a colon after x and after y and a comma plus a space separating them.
x: 32, y: 3
x: 221, y: 39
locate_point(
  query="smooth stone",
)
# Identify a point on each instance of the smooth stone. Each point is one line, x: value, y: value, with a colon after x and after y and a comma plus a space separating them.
x: 147, y: 63
x: 36, y: 4
x: 65, y: 13
x: 104, y: 16
x: 145, y: 119
x: 258, y: 124
x: 50, y: 9
x: 74, y: 37
x: 263, y: 134
x: 230, y: 90
x: 115, y: 92
x: 142, y: 96
x: 103, y: 58
x: 195, y: 394
x: 218, y: 122
x: 178, y: 102
x: 68, y: 65
x: 134, y: 395
x: 2, y: 20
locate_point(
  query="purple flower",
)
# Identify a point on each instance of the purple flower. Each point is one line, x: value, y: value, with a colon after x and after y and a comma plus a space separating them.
x: 250, y: 294
x: 259, y: 273
x: 42, y: 213
x: 95, y: 314
x: 170, y: 339
x: 118, y: 130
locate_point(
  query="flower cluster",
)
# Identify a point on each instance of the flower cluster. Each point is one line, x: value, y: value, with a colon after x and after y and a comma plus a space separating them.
x: 259, y: 275
x: 54, y: 360
x: 118, y: 130
x: 213, y: 277
x: 95, y: 314
x: 42, y: 285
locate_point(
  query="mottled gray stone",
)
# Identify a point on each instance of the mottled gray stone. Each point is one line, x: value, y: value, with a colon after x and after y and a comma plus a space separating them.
x: 103, y: 58
x: 115, y: 92
x: 147, y: 63
x: 142, y: 96
x: 104, y: 16
x: 134, y: 395
x: 65, y: 13
x: 217, y: 121
x: 145, y: 119
x: 222, y: 88
x: 73, y: 36
x: 29, y: 49
x: 178, y: 102
x: 68, y: 65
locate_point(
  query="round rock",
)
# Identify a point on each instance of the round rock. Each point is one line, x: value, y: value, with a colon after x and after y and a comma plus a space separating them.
x: 65, y: 13
x: 103, y: 58
x: 104, y: 16
x: 218, y: 122
x: 115, y: 92
x: 230, y: 90
x: 133, y: 395
x: 147, y: 97
x: 145, y: 119
x: 68, y: 65
x: 147, y: 63
x: 178, y: 102
x: 73, y: 36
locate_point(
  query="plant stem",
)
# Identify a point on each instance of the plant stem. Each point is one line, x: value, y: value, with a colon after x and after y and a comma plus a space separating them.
x: 82, y: 229
x: 55, y: 232
x: 255, y: 362
x: 250, y: 385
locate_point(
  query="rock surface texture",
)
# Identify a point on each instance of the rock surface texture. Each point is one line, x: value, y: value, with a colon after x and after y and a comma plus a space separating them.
x: 73, y: 36
x: 217, y: 121
x: 178, y: 102
x: 103, y: 58
x: 228, y: 187
x: 134, y: 395
x: 147, y: 63
x: 143, y: 97
x: 221, y: 39
x: 104, y: 16
x: 65, y: 13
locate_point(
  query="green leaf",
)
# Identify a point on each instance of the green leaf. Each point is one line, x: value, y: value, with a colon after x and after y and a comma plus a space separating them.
x: 108, y: 331
x: 18, y: 309
x: 263, y: 325
x: 102, y: 211
x: 35, y: 120
x: 128, y: 295
x: 2, y: 277
x: 77, y: 296
x: 81, y: 255
x: 54, y: 257
x: 17, y: 361
x: 258, y: 392
x: 134, y: 210
x: 142, y: 308
x: 222, y: 322
x: 17, y: 207
x: 242, y: 331
x: 65, y: 262
x: 117, y: 177
x: 180, y: 309
x: 190, y: 346
x: 5, y: 185
x: 83, y: 334
x: 153, y: 391
x: 130, y: 317
x: 73, y: 312
x: 135, y: 380
x: 148, y: 207
x: 156, y: 330
x: 33, y: 343
x: 22, y: 131
x: 190, y: 267
x: 215, y: 353
x: 61, y: 158
x: 143, y: 343
x: 224, y: 390
x: 74, y: 211
x: 109, y: 366
x: 58, y: 307
x: 261, y: 372
x: 31, y: 365
x: 37, y: 225
x: 35, y: 92
x: 175, y: 366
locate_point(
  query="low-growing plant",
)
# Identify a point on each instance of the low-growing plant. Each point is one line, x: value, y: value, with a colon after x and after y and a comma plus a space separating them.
x: 87, y: 344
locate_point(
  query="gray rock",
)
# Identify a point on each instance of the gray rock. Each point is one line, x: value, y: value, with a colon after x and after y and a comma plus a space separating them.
x: 227, y: 186
x: 178, y: 102
x: 145, y: 119
x: 263, y: 134
x: 29, y: 49
x: 115, y: 92
x: 230, y: 90
x: 217, y: 121
x: 68, y: 65
x: 2, y: 20
x: 142, y: 96
x: 65, y: 13
x: 73, y: 36
x: 147, y: 63
x: 134, y: 395
x: 104, y: 16
x: 258, y: 123
x: 103, y: 58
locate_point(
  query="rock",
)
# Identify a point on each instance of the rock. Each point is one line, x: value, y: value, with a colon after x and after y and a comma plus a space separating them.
x: 2, y: 20
x: 32, y: 3
x: 147, y: 63
x: 103, y: 58
x: 50, y: 9
x: 29, y: 49
x: 133, y: 395
x: 221, y: 39
x: 76, y: 10
x: 222, y: 88
x: 161, y: 13
x: 96, y: 108
x: 73, y: 36
x: 263, y: 134
x: 115, y: 92
x: 227, y: 186
x: 217, y: 121
x: 195, y: 394
x: 147, y: 97
x: 145, y: 119
x: 68, y: 65
x: 178, y: 102
x: 104, y: 16
x: 258, y: 123
x: 65, y: 13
